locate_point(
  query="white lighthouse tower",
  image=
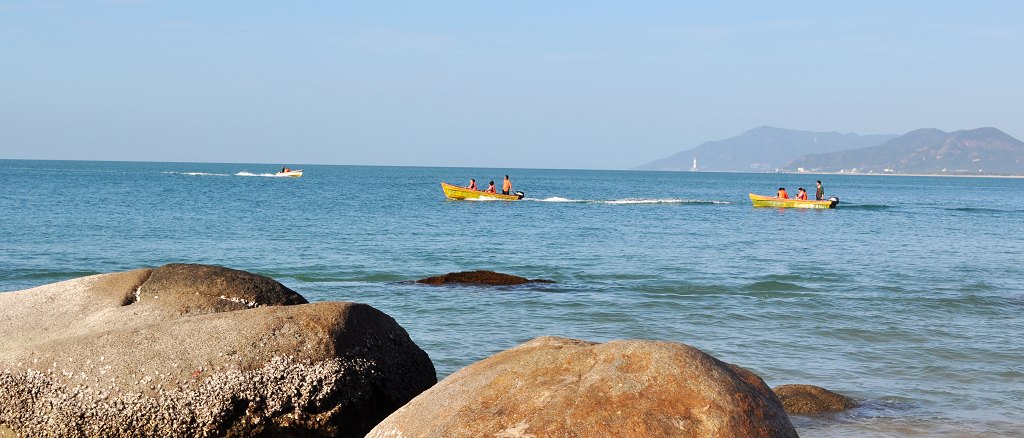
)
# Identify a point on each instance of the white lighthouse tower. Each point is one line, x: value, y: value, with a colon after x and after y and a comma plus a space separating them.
x: 694, y: 168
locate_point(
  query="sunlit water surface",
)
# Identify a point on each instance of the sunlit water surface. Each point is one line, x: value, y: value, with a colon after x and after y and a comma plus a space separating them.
x: 908, y: 297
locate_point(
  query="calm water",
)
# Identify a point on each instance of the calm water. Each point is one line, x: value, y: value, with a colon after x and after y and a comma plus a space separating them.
x: 909, y: 296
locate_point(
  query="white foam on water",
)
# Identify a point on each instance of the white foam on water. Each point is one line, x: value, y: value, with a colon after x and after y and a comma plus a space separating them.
x: 662, y: 201
x: 554, y: 199
x: 196, y: 173
x: 628, y: 201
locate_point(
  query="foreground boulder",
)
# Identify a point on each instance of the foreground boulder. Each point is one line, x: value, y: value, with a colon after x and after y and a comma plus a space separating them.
x: 563, y: 387
x: 810, y: 399
x: 489, y: 278
x: 192, y: 350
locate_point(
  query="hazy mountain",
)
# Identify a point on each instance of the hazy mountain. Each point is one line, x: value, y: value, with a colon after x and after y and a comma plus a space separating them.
x: 975, y: 151
x: 760, y: 149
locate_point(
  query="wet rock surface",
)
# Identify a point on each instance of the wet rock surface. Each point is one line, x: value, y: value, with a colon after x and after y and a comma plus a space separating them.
x: 810, y: 399
x: 564, y: 387
x: 489, y: 278
x: 192, y: 350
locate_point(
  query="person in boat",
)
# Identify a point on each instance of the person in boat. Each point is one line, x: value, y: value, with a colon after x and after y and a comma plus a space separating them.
x: 506, y: 187
x: 285, y: 170
x: 819, y: 194
x: 801, y: 194
x: 782, y: 193
x: 472, y: 184
x: 490, y: 188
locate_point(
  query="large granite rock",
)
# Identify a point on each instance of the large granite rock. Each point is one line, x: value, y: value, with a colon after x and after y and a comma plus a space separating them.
x: 571, y: 388
x: 192, y: 350
x: 489, y: 278
x: 810, y: 399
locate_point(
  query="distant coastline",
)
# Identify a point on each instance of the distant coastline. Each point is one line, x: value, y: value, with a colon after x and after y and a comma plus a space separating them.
x: 982, y: 151
x: 955, y: 175
x: 785, y: 172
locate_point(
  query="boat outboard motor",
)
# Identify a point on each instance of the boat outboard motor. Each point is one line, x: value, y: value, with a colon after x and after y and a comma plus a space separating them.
x: 833, y: 199
x: 519, y: 194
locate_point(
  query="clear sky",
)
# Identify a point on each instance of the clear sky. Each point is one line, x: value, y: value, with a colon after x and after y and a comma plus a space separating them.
x: 548, y: 84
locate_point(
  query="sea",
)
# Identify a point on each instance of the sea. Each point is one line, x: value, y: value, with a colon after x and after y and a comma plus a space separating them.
x: 909, y: 296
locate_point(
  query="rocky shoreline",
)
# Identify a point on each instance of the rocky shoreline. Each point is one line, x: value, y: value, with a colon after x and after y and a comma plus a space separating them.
x: 192, y: 350
x: 195, y: 350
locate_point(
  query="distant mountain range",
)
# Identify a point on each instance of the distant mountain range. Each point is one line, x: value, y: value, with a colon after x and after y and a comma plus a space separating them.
x: 929, y: 151
x: 983, y: 151
x: 762, y: 149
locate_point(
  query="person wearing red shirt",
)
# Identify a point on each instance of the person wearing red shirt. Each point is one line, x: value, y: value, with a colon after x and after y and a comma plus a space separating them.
x: 801, y: 194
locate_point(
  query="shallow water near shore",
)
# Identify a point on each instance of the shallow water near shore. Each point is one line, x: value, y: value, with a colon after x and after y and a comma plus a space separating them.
x: 909, y: 296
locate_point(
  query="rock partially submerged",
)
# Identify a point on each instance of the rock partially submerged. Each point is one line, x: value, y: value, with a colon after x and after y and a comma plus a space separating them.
x: 192, y: 350
x: 564, y: 387
x: 810, y: 399
x: 489, y: 278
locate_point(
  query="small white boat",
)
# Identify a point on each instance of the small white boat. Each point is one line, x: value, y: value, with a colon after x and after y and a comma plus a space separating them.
x: 293, y: 173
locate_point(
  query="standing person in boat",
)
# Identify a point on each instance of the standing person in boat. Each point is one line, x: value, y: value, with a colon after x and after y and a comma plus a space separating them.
x: 782, y: 193
x: 506, y: 187
x: 472, y: 184
x: 819, y: 194
x: 490, y: 188
x: 801, y: 194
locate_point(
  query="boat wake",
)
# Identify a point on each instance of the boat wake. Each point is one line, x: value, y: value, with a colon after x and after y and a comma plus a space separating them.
x: 869, y: 207
x: 196, y: 173
x: 627, y: 201
x: 983, y: 210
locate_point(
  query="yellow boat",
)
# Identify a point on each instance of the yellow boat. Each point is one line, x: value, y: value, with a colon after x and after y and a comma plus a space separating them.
x: 771, y: 201
x: 456, y: 192
x: 292, y: 173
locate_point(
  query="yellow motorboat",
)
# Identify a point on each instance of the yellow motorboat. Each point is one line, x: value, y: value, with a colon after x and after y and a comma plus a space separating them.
x: 771, y: 201
x: 457, y: 192
x: 292, y: 173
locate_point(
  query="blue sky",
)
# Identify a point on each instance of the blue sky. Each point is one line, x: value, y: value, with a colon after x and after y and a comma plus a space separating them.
x: 492, y: 84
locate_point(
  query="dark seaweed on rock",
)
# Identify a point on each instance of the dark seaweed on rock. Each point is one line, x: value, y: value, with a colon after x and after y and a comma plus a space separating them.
x: 810, y: 399
x: 489, y: 278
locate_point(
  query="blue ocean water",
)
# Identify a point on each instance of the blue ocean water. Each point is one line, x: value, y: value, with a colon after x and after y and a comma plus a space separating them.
x: 908, y: 297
